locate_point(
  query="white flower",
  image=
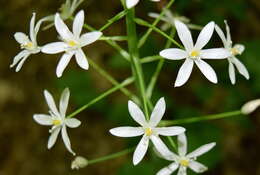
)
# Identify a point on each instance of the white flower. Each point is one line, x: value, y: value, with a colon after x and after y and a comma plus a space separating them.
x: 79, y: 162
x: 28, y: 44
x: 57, y: 119
x: 250, y: 106
x: 194, y: 53
x: 71, y: 43
x: 148, y: 129
x: 238, y: 49
x: 184, y: 160
x: 132, y: 3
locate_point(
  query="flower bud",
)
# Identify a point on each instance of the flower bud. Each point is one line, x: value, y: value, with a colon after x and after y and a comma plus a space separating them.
x: 250, y: 106
x: 79, y: 162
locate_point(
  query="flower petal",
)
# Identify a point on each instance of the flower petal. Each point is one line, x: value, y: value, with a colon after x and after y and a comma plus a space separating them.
x: 81, y: 59
x: 161, y: 147
x: 182, y: 144
x: 221, y: 35
x: 239, y: 48
x: 72, y: 122
x: 136, y: 113
x: 157, y: 113
x: 43, y: 119
x: 201, y: 150
x: 205, y: 35
x: 18, y: 57
x: 78, y: 23
x: 217, y: 53
x: 241, y: 68
x: 141, y: 150
x: 131, y: 3
x: 168, y: 170
x: 228, y: 34
x: 182, y: 170
x: 231, y: 70
x: 53, y: 137
x: 19, y: 66
x: 54, y: 48
x: 170, y: 131
x: 127, y: 131
x: 90, y: 37
x: 62, y: 28
x: 21, y: 38
x: 207, y: 70
x: 174, y: 54
x: 66, y: 139
x: 64, y: 101
x: 32, y: 33
x: 64, y: 61
x: 184, y: 73
x: 197, y: 167
x: 184, y: 35
x: 50, y: 101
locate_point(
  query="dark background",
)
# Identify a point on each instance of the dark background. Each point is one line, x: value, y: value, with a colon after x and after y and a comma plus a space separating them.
x: 23, y: 143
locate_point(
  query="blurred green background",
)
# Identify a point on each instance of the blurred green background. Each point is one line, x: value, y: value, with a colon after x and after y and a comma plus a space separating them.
x: 23, y: 143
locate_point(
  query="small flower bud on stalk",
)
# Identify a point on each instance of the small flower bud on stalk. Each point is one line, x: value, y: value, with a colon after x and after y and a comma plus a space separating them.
x: 79, y: 162
x: 250, y: 106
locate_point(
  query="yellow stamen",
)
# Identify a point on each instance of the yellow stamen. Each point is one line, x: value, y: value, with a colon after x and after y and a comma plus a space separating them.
x: 234, y: 51
x: 56, y: 122
x: 28, y: 45
x: 194, y: 53
x: 72, y: 43
x: 148, y: 131
x: 184, y: 162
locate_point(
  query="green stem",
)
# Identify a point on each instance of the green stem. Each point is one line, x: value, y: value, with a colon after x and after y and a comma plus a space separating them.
x: 100, y: 97
x: 148, y: 32
x: 111, y: 156
x: 114, y: 38
x: 202, y: 118
x: 172, y: 142
x: 149, y: 59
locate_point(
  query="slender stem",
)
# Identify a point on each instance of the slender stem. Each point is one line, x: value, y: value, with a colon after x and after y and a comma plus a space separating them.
x: 114, y: 38
x: 100, y: 97
x: 111, y: 156
x: 148, y: 32
x: 149, y: 59
x: 202, y: 118
x: 172, y: 142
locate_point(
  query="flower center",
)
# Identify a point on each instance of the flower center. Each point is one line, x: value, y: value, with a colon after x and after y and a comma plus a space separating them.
x: 184, y: 162
x: 56, y: 122
x: 28, y: 45
x: 148, y: 131
x: 234, y: 51
x: 72, y: 43
x: 195, y: 54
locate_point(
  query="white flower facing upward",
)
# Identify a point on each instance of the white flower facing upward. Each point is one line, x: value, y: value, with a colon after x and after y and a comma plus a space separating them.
x: 132, y: 3
x: 148, y: 129
x: 28, y: 44
x: 184, y: 160
x: 57, y: 119
x: 238, y: 49
x: 194, y: 53
x: 71, y: 43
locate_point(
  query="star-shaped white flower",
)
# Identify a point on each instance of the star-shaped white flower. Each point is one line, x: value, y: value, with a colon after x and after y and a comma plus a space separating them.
x: 71, y: 43
x: 184, y: 160
x: 194, y: 53
x: 238, y: 49
x: 28, y: 44
x: 148, y: 129
x: 57, y: 119
x: 132, y: 3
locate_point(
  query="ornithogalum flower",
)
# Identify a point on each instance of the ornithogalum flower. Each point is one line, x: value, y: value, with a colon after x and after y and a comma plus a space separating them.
x: 132, y: 3
x: 57, y: 119
x: 184, y: 160
x: 194, y: 53
x: 28, y: 44
x: 235, y: 50
x: 71, y: 43
x: 148, y: 129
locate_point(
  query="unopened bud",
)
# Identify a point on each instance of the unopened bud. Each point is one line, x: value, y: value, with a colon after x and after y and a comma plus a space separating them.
x: 79, y: 162
x: 250, y: 106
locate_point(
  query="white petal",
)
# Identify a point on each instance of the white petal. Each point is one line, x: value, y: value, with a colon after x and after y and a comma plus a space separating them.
x: 218, y: 53
x: 182, y: 171
x: 53, y: 137
x: 160, y: 146
x: 50, y: 101
x: 90, y: 37
x: 250, y: 106
x: 62, y: 28
x: 201, y: 150
x: 205, y: 35
x: 43, y: 119
x: 140, y: 150
x: 72, y: 122
x: 182, y: 144
x: 168, y: 170
x: 184, y: 73
x: 64, y: 100
x: 239, y: 48
x: 54, y: 48
x: 228, y: 33
x: 221, y: 34
x: 184, y: 35
x: 136, y: 113
x: 241, y: 68
x: 32, y: 23
x: 64, y: 61
x: 131, y: 3
x: 19, y: 66
x: 207, y: 71
x: 170, y: 131
x: 231, y: 70
x: 66, y: 139
x: 174, y: 54
x: 78, y: 23
x: 81, y: 59
x: 18, y: 57
x: 197, y: 167
x: 127, y: 131
x: 157, y: 113
x: 21, y: 37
